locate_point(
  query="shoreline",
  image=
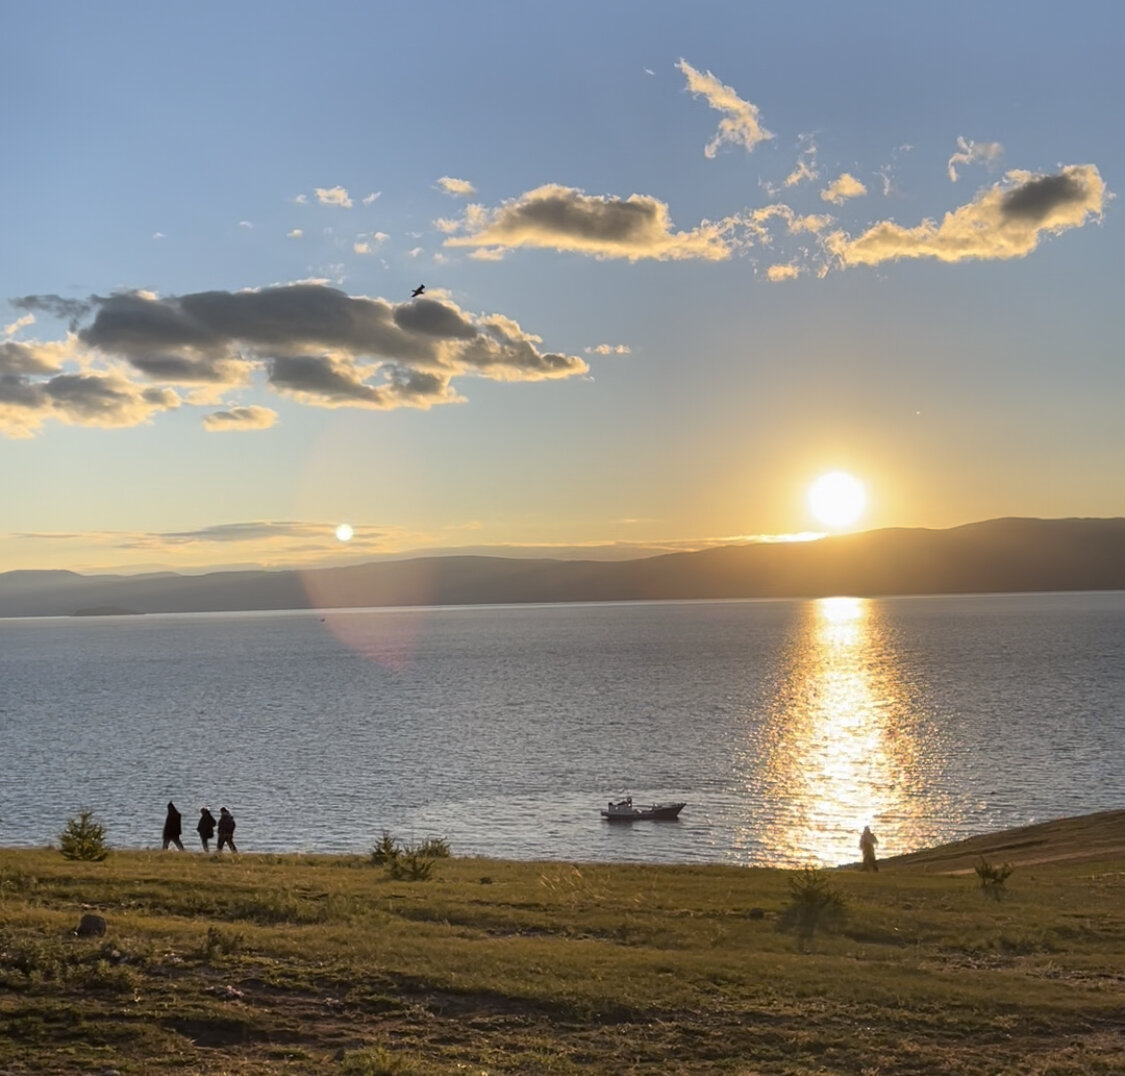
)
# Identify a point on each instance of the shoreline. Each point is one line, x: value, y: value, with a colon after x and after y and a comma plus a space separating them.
x: 1072, y: 838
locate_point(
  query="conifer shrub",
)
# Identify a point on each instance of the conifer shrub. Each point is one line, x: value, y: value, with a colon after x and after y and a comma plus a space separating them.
x: 992, y: 878
x: 84, y: 838
x: 814, y: 904
x: 386, y: 850
x: 409, y: 862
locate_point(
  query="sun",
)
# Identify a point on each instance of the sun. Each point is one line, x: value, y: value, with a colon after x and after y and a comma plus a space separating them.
x: 344, y: 532
x: 837, y: 499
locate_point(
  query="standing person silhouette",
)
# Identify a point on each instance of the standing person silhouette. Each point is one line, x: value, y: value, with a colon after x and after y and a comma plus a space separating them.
x: 867, y: 842
x: 226, y: 830
x: 173, y: 827
x: 205, y: 827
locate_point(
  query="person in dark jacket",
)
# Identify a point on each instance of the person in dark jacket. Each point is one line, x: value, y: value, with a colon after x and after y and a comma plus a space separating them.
x: 173, y: 827
x: 205, y: 827
x: 226, y: 830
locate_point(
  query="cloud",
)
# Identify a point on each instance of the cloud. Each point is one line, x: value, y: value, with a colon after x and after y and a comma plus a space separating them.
x: 159, y: 235
x: 810, y: 222
x: 296, y: 233
x: 301, y: 199
x: 20, y: 323
x: 783, y: 272
x: 17, y: 359
x: 739, y: 126
x: 77, y: 399
x: 333, y: 196
x: 309, y: 341
x: 69, y: 310
x: 805, y: 168
x: 245, y: 224
x: 970, y: 152
x: 459, y: 188
x: 563, y: 218
x: 361, y: 248
x: 487, y: 254
x: 1003, y: 221
x: 251, y: 417
x: 609, y: 349
x: 369, y: 198
x: 845, y: 186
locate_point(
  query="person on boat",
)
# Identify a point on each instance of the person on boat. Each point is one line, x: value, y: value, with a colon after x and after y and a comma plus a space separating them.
x: 867, y: 842
x: 226, y: 830
x: 173, y: 827
x: 205, y: 827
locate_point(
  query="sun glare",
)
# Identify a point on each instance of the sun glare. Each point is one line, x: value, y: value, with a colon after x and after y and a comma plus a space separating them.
x: 837, y: 499
x: 344, y: 532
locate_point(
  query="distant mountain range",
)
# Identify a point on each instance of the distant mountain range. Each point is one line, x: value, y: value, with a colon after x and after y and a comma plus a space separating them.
x: 1000, y: 555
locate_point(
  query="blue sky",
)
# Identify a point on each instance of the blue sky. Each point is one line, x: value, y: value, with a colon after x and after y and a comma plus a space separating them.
x: 679, y: 261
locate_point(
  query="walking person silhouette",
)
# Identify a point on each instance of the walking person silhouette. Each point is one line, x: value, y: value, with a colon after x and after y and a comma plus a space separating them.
x: 173, y: 827
x: 205, y: 827
x: 226, y: 830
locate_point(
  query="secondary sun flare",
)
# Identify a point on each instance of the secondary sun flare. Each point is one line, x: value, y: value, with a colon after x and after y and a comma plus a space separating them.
x: 837, y: 499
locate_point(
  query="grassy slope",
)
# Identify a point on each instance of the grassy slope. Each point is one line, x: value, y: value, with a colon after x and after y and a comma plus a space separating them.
x: 299, y: 964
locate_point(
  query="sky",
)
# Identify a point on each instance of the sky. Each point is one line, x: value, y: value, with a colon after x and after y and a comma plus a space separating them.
x: 678, y: 261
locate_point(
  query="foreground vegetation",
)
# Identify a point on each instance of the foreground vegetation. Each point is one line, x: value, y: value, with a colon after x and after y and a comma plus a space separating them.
x: 305, y: 964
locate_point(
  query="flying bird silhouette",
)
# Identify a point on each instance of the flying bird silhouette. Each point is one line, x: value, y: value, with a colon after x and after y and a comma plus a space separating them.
x: 417, y: 291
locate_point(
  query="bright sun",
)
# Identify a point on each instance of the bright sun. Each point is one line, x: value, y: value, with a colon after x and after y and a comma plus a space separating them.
x: 837, y: 499
x: 344, y: 532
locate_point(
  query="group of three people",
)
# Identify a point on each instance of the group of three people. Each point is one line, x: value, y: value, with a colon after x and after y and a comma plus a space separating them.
x: 205, y: 827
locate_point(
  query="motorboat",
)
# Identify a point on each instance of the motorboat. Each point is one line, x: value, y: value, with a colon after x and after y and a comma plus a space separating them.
x: 625, y: 811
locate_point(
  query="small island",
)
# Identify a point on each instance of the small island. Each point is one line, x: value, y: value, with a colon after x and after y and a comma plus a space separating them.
x: 107, y: 610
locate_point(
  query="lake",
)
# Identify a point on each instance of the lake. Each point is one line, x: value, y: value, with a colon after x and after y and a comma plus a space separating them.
x: 785, y: 725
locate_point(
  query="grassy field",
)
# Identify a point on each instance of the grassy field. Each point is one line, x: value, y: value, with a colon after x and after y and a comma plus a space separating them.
x: 306, y: 964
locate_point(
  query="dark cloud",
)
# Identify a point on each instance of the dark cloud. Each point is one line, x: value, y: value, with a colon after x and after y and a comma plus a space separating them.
x: 251, y: 417
x: 92, y: 396
x: 1007, y: 220
x: 563, y: 218
x: 432, y: 318
x: 1036, y: 199
x: 245, y: 532
x: 18, y: 358
x: 315, y: 343
x: 85, y: 399
x: 18, y: 392
x: 70, y: 310
x: 329, y: 378
x: 191, y: 369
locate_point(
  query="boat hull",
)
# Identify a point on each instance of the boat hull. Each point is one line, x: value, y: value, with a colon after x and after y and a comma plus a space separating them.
x: 657, y: 812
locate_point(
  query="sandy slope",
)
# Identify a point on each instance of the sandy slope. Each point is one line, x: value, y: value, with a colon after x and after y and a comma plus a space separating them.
x: 1085, y: 837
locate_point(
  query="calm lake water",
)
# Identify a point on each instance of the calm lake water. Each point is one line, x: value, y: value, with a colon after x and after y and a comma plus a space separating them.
x: 785, y: 725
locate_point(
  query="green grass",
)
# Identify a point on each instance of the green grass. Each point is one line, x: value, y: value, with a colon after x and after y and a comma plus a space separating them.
x: 311, y: 964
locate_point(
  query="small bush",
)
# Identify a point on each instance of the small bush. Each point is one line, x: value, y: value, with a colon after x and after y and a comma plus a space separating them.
x: 992, y: 878
x: 411, y: 865
x: 84, y: 838
x: 409, y: 862
x: 219, y: 942
x: 814, y: 904
x: 386, y: 850
x: 375, y: 1061
x: 434, y: 848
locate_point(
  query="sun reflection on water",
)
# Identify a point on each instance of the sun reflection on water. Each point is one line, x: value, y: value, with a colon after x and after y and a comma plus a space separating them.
x: 841, y: 744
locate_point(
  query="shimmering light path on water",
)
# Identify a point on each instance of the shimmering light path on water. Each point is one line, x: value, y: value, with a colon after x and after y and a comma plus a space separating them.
x: 786, y: 725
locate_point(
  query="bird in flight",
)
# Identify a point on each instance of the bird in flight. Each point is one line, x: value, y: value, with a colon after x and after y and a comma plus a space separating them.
x: 417, y: 291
